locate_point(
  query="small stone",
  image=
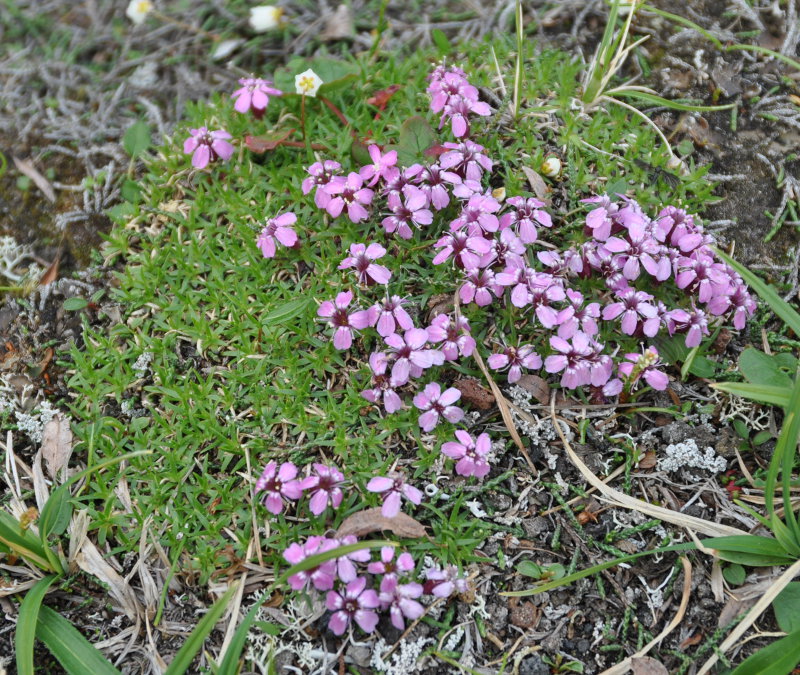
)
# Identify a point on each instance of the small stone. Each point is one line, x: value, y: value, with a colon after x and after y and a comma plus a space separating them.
x: 533, y: 527
x: 533, y: 665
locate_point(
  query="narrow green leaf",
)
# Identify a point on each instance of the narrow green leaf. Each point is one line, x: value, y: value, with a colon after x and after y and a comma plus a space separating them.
x: 194, y: 643
x: 56, y: 513
x: 787, y: 608
x: 778, y: 658
x: 137, y: 138
x: 25, y: 632
x: 784, y: 535
x: 75, y: 304
x: 652, y: 99
x: 756, y: 392
x: 776, y: 303
x: 286, y: 312
x: 74, y: 652
x: 550, y: 585
x: 440, y: 40
x: 749, y: 549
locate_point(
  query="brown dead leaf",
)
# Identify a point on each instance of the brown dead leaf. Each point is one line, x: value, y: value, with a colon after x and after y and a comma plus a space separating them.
x: 372, y: 520
x: 25, y: 166
x: 339, y: 25
x: 647, y: 665
x: 259, y: 144
x: 51, y: 273
x: 56, y: 444
x: 440, y: 304
x: 648, y: 461
x: 537, y: 387
x: 538, y: 186
x: 692, y: 640
x: 381, y: 98
x: 474, y: 393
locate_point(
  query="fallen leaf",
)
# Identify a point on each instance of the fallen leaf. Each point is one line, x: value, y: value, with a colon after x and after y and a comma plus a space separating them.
x: 26, y: 167
x: 372, y: 520
x: 381, y: 98
x: 339, y: 25
x: 56, y: 444
x: 538, y: 186
x: 51, y: 273
x: 226, y: 48
x: 692, y: 640
x: 647, y: 665
x: 537, y: 387
x: 474, y: 393
x: 259, y: 144
x: 648, y: 461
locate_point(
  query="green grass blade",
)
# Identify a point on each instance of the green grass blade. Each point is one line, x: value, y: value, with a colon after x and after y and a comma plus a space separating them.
x: 768, y: 294
x: 760, y: 393
x: 766, y: 52
x: 550, y: 585
x: 25, y: 632
x: 23, y: 542
x: 786, y: 453
x: 749, y: 549
x: 778, y: 658
x: 194, y: 643
x: 652, y: 99
x: 74, y: 652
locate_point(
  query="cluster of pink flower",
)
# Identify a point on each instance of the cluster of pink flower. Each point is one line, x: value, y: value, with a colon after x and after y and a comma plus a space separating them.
x: 454, y: 97
x: 349, y: 599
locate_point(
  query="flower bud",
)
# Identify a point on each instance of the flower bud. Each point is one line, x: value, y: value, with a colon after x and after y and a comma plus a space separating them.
x: 551, y: 167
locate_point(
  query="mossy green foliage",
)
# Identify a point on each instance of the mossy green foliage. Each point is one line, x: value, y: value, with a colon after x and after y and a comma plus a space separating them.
x: 243, y: 367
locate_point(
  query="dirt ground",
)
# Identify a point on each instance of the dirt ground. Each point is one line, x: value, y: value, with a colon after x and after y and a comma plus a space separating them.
x: 754, y: 164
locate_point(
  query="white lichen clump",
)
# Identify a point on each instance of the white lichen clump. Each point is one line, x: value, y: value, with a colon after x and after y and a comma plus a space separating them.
x: 142, y: 364
x: 402, y: 661
x: 33, y: 425
x: 686, y: 455
x: 11, y: 255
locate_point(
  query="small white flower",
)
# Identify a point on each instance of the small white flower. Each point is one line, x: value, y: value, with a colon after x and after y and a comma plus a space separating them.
x: 265, y: 17
x: 307, y: 83
x: 551, y: 167
x: 138, y: 10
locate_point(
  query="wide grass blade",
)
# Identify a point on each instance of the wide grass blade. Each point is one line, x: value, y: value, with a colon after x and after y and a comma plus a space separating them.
x: 761, y: 393
x: 25, y: 632
x: 750, y: 549
x: 653, y: 99
x: 779, y: 658
x: 194, y: 643
x: 550, y: 585
x: 23, y: 542
x: 74, y: 652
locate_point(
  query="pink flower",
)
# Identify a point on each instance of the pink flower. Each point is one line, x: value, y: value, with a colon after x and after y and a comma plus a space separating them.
x: 466, y: 160
x: 320, y: 173
x: 355, y: 604
x: 700, y: 274
x: 393, y: 489
x: 639, y: 247
x: 411, y: 210
x: 345, y: 567
x: 411, y: 356
x: 459, y: 109
x: 477, y: 216
x: 361, y: 258
x: 442, y: 583
x: 467, y: 250
x: 736, y: 299
x: 207, y: 146
x: 254, y: 95
x: 433, y: 182
x: 278, y: 484
x: 322, y: 576
x: 526, y: 215
x: 435, y: 404
x: 400, y: 600
x: 695, y: 326
x: 478, y: 286
x: 471, y: 454
x: 388, y: 566
x: 383, y: 385
x: 382, y: 166
x: 454, y: 336
x: 391, y: 315
x: 277, y: 229
x: 325, y: 487
x: 343, y: 323
x: 644, y: 366
x: 515, y: 359
x: 577, y: 317
x: 348, y: 193
x: 572, y: 359
x: 634, y: 306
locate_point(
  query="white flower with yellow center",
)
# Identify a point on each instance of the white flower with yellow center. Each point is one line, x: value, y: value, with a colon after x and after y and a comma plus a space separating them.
x: 265, y: 17
x: 307, y: 83
x: 138, y: 10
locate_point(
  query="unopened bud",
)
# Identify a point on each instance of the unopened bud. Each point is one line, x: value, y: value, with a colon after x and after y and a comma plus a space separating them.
x: 551, y: 167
